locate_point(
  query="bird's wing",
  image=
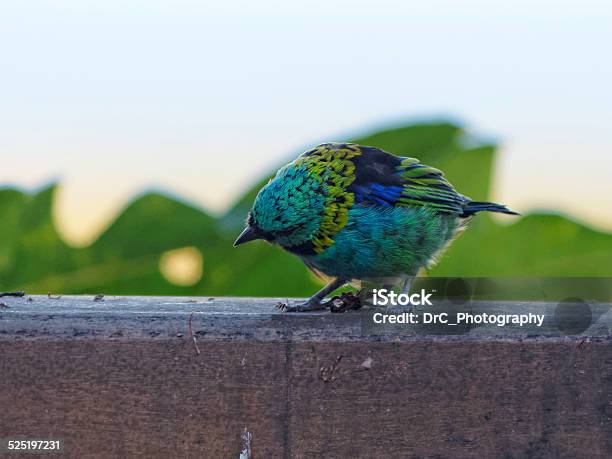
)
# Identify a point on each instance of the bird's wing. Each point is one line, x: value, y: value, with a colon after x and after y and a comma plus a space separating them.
x: 384, y: 179
x: 352, y: 174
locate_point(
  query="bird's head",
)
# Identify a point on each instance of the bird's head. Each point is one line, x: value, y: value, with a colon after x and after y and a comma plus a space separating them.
x: 287, y: 211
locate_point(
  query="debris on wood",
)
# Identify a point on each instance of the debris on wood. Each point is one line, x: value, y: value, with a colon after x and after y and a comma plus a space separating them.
x: 190, y: 330
x: 367, y: 363
x: 15, y: 294
x: 326, y: 374
x: 246, y: 437
x: 344, y: 302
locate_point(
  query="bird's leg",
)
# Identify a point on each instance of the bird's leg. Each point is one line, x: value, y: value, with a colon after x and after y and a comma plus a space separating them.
x: 406, y: 289
x: 315, y: 302
x: 407, y: 285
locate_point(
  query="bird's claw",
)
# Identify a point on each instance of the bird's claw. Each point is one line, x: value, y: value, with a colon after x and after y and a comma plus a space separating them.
x: 301, y: 307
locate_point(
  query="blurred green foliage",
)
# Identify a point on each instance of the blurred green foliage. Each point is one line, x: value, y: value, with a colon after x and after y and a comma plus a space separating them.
x: 125, y: 258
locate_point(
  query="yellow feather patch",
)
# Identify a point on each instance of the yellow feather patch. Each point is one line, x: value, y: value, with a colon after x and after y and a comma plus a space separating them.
x: 330, y: 164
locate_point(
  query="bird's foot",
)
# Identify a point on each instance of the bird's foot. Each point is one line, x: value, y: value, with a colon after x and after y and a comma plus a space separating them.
x: 340, y: 303
x: 307, y: 306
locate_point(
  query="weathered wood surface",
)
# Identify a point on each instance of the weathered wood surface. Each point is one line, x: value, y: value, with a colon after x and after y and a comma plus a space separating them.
x: 81, y: 317
x: 122, y: 378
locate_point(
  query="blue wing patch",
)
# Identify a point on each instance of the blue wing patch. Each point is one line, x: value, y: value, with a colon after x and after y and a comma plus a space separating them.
x: 375, y: 193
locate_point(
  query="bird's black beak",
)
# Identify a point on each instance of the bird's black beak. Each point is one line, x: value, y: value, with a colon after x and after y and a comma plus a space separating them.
x: 247, y: 235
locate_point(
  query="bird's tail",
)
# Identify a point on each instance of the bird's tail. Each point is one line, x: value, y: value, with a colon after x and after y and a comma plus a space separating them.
x: 476, y: 206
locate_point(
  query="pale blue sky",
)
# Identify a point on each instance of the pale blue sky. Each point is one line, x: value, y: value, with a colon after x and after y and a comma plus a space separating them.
x: 203, y: 98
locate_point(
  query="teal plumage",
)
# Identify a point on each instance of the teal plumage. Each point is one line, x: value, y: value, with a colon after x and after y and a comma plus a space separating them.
x: 357, y: 212
x: 384, y: 243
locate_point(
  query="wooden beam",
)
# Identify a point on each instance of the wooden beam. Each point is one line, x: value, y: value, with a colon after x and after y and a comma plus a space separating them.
x: 121, y: 377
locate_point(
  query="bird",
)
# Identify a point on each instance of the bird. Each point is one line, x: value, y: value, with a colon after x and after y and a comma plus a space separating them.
x: 359, y: 213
